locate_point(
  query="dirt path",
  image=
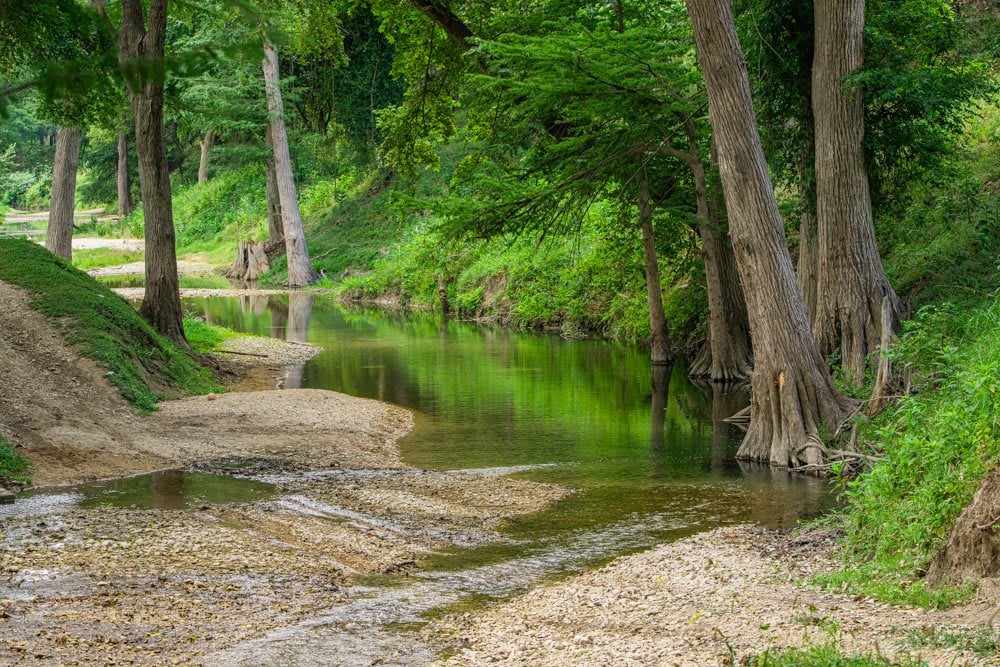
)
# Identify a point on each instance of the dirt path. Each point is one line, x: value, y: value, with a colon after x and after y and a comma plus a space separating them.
x: 151, y: 586
x: 728, y: 593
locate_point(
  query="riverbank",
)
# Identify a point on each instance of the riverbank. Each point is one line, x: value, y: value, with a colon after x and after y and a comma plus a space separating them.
x: 106, y: 584
x: 717, y: 598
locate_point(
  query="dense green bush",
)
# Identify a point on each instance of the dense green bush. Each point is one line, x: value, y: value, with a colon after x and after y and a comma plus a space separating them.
x: 937, y: 445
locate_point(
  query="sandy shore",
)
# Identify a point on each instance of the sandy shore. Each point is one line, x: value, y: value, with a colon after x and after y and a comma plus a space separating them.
x: 727, y: 593
x: 112, y: 585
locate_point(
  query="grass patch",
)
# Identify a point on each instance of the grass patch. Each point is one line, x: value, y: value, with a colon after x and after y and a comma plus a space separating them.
x: 13, y: 466
x: 937, y: 445
x: 984, y: 641
x: 823, y: 655
x: 203, y: 337
x: 143, y: 365
x: 96, y: 258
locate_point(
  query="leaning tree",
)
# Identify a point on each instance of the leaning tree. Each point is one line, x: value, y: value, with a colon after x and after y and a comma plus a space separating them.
x: 793, y: 393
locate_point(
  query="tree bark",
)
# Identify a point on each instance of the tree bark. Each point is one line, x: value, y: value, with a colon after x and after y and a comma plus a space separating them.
x: 300, y: 270
x: 275, y: 227
x: 206, y: 148
x: 727, y: 355
x: 440, y: 14
x: 792, y: 392
x: 807, y: 268
x: 851, y: 282
x: 124, y: 187
x: 59, y: 237
x: 659, y: 331
x: 162, y: 302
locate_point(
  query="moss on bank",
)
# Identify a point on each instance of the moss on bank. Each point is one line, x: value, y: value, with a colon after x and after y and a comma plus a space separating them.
x: 143, y: 365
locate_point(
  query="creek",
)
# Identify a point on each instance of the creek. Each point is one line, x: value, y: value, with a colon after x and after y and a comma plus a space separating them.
x: 646, y: 452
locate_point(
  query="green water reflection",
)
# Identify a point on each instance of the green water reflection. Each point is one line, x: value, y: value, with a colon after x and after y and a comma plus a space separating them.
x: 641, y: 447
x: 164, y: 489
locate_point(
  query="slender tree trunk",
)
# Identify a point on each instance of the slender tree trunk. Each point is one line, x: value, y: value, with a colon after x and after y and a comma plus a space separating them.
x: 162, y: 302
x: 59, y: 237
x: 851, y: 280
x: 300, y: 270
x: 659, y: 332
x: 275, y: 227
x: 792, y: 390
x: 124, y: 187
x: 807, y: 268
x: 206, y: 148
x: 727, y: 355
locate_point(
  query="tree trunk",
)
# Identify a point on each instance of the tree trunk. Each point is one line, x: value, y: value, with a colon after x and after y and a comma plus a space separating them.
x: 727, y: 355
x: 124, y: 187
x: 59, y: 237
x: 659, y: 332
x: 791, y: 386
x: 851, y: 281
x: 275, y: 227
x: 807, y: 267
x: 300, y: 270
x: 206, y: 147
x: 162, y: 302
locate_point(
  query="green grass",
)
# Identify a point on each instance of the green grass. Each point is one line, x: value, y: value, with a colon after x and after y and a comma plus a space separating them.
x: 937, y: 445
x: 203, y: 337
x: 13, y: 466
x: 144, y: 366
x: 824, y: 655
x: 983, y: 641
x: 96, y: 258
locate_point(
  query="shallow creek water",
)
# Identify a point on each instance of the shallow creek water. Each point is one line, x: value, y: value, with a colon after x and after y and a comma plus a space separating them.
x: 646, y: 452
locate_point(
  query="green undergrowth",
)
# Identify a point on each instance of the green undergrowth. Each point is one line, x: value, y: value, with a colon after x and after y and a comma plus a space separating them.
x: 203, y: 337
x: 13, y: 466
x: 824, y: 655
x: 941, y: 239
x: 936, y: 446
x: 96, y: 258
x: 144, y: 366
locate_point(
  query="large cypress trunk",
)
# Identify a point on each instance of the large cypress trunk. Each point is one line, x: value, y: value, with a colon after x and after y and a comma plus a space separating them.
x: 206, y: 149
x: 659, y: 331
x: 59, y: 237
x: 124, y: 187
x: 792, y: 393
x: 807, y: 268
x: 727, y: 355
x: 851, y: 281
x: 162, y: 303
x: 300, y: 270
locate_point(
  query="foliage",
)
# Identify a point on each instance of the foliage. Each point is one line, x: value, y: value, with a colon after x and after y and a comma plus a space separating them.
x: 938, y: 444
x: 203, y: 337
x: 95, y: 258
x: 13, y: 466
x: 142, y: 364
x: 941, y: 239
x: 824, y: 655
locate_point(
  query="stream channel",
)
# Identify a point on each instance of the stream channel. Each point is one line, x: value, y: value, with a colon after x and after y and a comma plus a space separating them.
x: 646, y: 452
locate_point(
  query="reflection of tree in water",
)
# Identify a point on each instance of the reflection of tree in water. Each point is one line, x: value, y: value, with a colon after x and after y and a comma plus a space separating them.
x: 725, y: 399
x: 777, y: 498
x: 279, y: 317
x: 167, y: 489
x: 300, y: 305
x: 658, y: 403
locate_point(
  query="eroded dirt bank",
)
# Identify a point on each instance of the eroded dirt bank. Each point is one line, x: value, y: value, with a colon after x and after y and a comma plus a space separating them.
x: 726, y: 594
x: 114, y: 585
